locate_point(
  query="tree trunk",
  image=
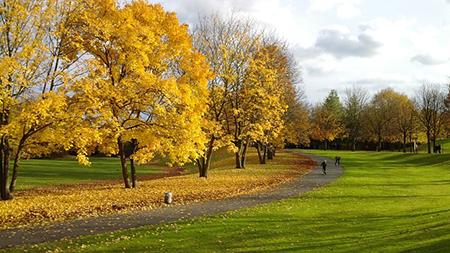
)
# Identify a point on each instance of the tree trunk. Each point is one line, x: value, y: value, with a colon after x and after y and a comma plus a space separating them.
x: 354, y: 144
x: 133, y: 174
x: 411, y: 148
x: 244, y: 154
x: 405, y: 136
x: 123, y: 163
x: 326, y: 144
x: 379, y: 143
x: 4, y: 163
x: 239, y: 154
x: 261, y: 153
x: 15, y: 172
x: 429, y: 141
x: 270, y: 153
x: 434, y: 144
x: 204, y: 162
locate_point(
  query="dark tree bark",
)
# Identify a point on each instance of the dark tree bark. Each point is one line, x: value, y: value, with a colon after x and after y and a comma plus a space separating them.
x: 405, y: 137
x: 244, y: 154
x: 270, y: 153
x: 261, y: 148
x: 15, y: 172
x: 4, y: 163
x: 238, y: 155
x: 123, y: 163
x: 429, y: 141
x: 204, y: 162
x: 133, y: 174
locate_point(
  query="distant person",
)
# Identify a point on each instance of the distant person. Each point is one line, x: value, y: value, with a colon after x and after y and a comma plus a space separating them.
x: 324, y: 167
x: 438, y: 149
x: 337, y: 161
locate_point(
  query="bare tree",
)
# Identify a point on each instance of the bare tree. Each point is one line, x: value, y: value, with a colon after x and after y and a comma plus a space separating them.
x: 431, y: 107
x: 354, y: 103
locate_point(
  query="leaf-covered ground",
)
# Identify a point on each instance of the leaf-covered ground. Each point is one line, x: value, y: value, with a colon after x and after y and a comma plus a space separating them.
x: 57, y: 203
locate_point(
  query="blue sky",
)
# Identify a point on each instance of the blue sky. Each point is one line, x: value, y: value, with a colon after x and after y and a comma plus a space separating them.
x: 342, y: 43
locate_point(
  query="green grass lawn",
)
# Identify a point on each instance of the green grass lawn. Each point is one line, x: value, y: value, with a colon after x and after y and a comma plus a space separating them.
x: 43, y: 172
x: 385, y: 202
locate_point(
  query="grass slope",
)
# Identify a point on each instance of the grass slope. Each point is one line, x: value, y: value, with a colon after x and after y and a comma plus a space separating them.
x: 43, y: 172
x: 385, y: 202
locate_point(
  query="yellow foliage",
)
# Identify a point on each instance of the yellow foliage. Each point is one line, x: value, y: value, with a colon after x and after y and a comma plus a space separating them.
x: 146, y: 81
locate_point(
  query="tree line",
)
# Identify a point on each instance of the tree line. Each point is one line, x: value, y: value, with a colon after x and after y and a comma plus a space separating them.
x: 388, y: 120
x: 129, y: 80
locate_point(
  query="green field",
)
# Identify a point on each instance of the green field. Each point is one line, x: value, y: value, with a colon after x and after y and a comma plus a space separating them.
x: 385, y: 202
x: 43, y: 172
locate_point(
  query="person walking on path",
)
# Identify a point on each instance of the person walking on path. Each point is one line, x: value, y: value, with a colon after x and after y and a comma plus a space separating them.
x: 337, y: 160
x: 324, y: 167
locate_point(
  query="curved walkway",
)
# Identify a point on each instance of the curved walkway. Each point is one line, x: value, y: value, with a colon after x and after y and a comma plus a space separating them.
x: 89, y: 226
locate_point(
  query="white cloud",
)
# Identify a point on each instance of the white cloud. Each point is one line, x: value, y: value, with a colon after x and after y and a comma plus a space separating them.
x: 344, y: 8
x: 426, y: 59
x: 336, y: 45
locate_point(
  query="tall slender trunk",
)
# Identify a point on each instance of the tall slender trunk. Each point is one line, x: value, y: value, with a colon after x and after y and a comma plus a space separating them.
x: 133, y: 174
x: 15, y: 172
x: 204, y: 162
x: 353, y: 144
x: 434, y: 144
x: 379, y: 143
x: 123, y: 163
x: 244, y: 153
x: 411, y: 146
x: 4, y: 163
x: 429, y: 141
x: 405, y: 136
x: 326, y: 144
x: 270, y: 153
x: 261, y: 148
x: 239, y: 154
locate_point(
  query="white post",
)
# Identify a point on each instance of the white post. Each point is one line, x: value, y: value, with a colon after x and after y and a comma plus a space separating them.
x: 168, y: 197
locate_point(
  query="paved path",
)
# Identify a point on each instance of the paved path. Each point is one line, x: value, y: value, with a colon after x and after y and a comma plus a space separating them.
x: 96, y: 225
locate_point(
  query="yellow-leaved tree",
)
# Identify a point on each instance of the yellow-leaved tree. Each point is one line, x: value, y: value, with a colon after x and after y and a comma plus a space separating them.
x: 145, y: 92
x: 264, y: 104
x: 36, y: 60
x: 228, y: 44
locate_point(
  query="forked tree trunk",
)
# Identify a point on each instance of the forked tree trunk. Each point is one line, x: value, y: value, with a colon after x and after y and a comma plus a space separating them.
x: 241, y: 153
x: 204, y: 162
x: 123, y: 163
x: 261, y: 152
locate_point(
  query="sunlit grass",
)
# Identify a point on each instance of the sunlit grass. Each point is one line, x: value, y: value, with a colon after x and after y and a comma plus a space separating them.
x: 385, y: 202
